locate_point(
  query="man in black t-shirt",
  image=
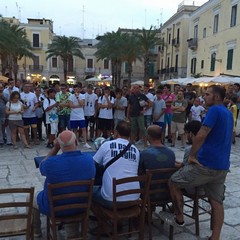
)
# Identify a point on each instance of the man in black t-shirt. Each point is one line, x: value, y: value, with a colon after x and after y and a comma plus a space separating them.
x: 136, y: 103
x: 189, y: 96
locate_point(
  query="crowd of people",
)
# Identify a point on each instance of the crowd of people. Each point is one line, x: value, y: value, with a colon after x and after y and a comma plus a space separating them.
x: 152, y: 116
x: 93, y: 112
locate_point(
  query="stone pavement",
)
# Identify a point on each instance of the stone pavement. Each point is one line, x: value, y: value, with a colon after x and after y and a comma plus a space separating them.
x: 17, y: 169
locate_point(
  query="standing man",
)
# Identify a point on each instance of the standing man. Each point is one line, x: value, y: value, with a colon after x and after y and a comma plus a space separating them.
x: 189, y: 96
x: 209, y: 161
x: 3, y: 102
x: 137, y: 101
x: 148, y: 110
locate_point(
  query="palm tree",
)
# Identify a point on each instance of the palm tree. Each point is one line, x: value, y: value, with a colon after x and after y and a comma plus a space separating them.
x: 13, y: 46
x: 131, y: 51
x: 66, y: 48
x: 110, y: 48
x: 148, y: 40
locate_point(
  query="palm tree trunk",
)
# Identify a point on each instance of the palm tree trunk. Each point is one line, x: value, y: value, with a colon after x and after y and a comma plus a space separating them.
x: 129, y: 74
x: 65, y: 70
x: 146, y: 69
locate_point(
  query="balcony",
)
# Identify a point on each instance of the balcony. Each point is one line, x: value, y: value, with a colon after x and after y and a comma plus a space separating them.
x: 37, y: 45
x: 175, y: 42
x: 89, y: 70
x: 36, y: 68
x: 192, y: 43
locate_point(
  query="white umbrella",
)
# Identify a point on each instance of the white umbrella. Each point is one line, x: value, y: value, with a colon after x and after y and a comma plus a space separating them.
x: 109, y: 79
x: 93, y: 79
x: 139, y: 82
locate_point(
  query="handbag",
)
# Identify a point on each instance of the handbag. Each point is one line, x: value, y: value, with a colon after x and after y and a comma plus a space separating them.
x: 101, y: 169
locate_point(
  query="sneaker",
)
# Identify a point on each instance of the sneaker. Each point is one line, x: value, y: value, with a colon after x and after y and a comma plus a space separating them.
x: 170, y: 219
x: 50, y: 145
x: 86, y: 145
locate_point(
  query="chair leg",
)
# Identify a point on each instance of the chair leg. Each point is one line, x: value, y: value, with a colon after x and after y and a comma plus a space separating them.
x: 171, y: 231
x: 196, y: 215
x: 149, y: 213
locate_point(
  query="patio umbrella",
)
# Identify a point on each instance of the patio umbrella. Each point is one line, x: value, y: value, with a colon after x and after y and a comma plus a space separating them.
x: 139, y: 82
x: 93, y: 79
x: 3, y: 79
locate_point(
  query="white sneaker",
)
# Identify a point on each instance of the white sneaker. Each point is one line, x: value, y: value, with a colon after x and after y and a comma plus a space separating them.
x: 86, y: 145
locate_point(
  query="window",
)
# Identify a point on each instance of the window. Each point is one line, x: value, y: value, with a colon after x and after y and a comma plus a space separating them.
x: 90, y: 63
x: 176, y: 63
x: 167, y: 67
x: 233, y: 16
x: 213, y: 60
x: 126, y: 67
x: 35, y: 40
x: 178, y: 35
x: 196, y: 31
x: 169, y: 38
x: 215, y: 23
x: 162, y: 64
x: 204, y: 33
x: 193, y: 65
x: 230, y: 59
x: 54, y: 62
x: 106, y: 64
x: 202, y: 64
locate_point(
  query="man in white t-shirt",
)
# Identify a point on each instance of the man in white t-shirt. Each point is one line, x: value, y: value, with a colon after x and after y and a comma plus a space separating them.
x: 125, y: 166
x: 30, y: 104
x: 148, y: 109
x: 105, y: 117
x: 77, y: 119
x: 90, y: 109
x: 50, y: 107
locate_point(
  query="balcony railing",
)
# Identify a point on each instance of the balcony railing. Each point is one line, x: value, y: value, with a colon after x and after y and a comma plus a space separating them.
x: 175, y: 42
x: 192, y: 43
x: 36, y: 68
x: 37, y: 45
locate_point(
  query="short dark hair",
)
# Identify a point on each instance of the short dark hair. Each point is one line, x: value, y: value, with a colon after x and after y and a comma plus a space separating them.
x: 51, y: 90
x: 63, y: 85
x: 90, y: 86
x: 167, y: 86
x: 192, y: 126
x: 118, y: 90
x: 234, y: 99
x: 237, y: 84
x: 219, y: 90
x: 154, y: 133
x: 146, y: 85
x: 123, y: 128
x: 13, y: 94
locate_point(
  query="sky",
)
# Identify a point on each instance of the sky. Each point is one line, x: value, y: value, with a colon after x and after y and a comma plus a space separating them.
x: 89, y: 18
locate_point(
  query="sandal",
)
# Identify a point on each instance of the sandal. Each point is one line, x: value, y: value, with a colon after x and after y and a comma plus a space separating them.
x: 27, y: 146
x: 15, y: 147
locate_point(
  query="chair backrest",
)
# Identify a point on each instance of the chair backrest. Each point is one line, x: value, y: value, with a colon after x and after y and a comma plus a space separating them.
x: 159, y: 190
x: 141, y: 191
x: 16, y: 204
x: 70, y: 198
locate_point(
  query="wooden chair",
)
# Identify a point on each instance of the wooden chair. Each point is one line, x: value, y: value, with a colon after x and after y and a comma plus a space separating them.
x: 159, y: 194
x: 69, y: 203
x: 16, y: 212
x: 191, y: 200
x: 110, y: 218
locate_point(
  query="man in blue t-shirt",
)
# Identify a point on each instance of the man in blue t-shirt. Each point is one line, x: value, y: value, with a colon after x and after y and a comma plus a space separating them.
x: 71, y: 165
x: 209, y: 161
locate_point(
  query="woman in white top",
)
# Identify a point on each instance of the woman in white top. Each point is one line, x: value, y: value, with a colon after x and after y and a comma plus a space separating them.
x: 14, y: 110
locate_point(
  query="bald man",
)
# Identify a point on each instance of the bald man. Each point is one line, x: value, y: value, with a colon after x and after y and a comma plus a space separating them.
x: 71, y: 165
x: 156, y: 155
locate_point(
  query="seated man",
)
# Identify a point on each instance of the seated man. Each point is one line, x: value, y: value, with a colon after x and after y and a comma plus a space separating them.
x: 125, y: 166
x: 71, y: 165
x: 156, y: 155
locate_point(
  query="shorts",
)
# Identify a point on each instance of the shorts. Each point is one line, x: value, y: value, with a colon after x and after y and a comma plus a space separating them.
x: 52, y: 128
x: 104, y: 124
x: 90, y: 120
x: 75, y: 124
x: 138, y: 123
x: 147, y: 120
x: 13, y: 124
x: 160, y: 124
x: 64, y: 121
x: 193, y: 175
x: 30, y: 122
x: 177, y: 126
x: 168, y: 118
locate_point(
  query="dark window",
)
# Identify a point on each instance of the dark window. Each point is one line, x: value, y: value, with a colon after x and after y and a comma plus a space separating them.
x: 151, y: 69
x: 215, y: 23
x: 193, y: 65
x: 54, y: 62
x: 176, y: 63
x: 213, y: 60
x: 168, y: 64
x: 178, y: 35
x: 90, y: 63
x: 204, y: 33
x: 162, y: 64
x: 202, y: 64
x: 106, y: 64
x: 126, y: 67
x: 230, y: 59
x: 169, y: 38
x: 35, y: 40
x: 233, y: 16
x: 196, y: 31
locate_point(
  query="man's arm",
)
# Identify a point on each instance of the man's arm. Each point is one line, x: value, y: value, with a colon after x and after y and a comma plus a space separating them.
x: 198, y: 142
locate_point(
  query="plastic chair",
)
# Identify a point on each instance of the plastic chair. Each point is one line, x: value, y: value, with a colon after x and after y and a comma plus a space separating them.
x: 69, y: 203
x: 159, y: 194
x: 109, y: 219
x: 16, y: 214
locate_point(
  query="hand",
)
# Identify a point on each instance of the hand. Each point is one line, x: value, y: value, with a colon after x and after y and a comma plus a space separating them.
x: 193, y: 160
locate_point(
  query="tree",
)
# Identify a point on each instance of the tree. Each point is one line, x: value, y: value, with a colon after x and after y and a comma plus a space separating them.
x: 66, y: 48
x: 13, y: 46
x: 110, y: 47
x: 148, y: 40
